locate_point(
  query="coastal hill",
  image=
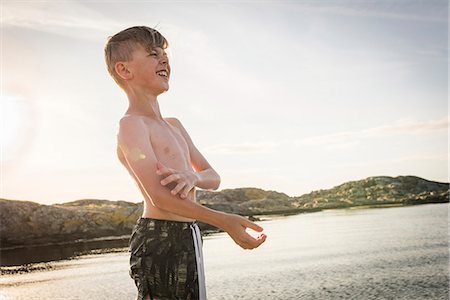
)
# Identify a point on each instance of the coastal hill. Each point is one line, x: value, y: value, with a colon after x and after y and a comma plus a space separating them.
x: 25, y: 222
x: 372, y: 191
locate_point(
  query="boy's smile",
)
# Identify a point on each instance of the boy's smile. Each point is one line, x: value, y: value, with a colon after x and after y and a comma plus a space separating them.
x: 163, y: 73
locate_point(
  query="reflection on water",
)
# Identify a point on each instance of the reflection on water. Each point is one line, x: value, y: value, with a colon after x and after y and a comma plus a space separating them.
x: 386, y: 253
x: 33, y: 254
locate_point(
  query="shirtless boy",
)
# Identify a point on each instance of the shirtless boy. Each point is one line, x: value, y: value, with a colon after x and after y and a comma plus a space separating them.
x: 166, y: 244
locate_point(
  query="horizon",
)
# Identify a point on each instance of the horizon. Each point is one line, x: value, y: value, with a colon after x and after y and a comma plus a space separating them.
x: 220, y: 190
x: 290, y: 97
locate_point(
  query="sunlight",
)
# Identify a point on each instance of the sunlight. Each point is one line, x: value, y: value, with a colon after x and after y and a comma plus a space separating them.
x: 15, y: 116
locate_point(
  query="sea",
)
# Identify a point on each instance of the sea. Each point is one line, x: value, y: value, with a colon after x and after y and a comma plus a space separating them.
x: 363, y: 253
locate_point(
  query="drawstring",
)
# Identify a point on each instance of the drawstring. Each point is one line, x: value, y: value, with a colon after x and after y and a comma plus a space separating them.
x: 199, y: 258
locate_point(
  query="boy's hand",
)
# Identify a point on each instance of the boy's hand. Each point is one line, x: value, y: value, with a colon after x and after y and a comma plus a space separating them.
x: 182, y: 181
x: 235, y: 227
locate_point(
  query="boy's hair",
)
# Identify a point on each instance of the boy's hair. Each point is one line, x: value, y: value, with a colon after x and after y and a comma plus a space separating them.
x: 120, y: 46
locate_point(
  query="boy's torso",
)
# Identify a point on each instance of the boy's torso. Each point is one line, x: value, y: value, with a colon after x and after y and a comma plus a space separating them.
x: 171, y: 150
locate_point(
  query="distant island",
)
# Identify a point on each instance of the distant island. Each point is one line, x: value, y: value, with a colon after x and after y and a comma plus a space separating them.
x: 30, y: 223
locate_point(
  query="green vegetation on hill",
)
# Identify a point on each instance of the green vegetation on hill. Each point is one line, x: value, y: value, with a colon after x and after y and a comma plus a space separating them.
x: 377, y: 190
x: 25, y: 222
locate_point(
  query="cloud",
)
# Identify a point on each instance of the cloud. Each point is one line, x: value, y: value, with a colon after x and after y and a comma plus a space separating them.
x: 422, y: 157
x: 341, y: 140
x: 404, y: 126
x: 68, y: 18
x: 409, y: 126
x: 427, y: 12
x: 247, y: 147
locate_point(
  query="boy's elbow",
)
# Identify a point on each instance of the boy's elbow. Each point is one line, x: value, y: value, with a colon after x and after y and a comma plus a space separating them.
x: 216, y: 182
x: 157, y: 198
x: 162, y: 204
x: 157, y: 202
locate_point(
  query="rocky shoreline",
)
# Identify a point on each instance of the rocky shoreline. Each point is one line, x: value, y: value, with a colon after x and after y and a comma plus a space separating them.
x: 54, y: 265
x: 25, y: 223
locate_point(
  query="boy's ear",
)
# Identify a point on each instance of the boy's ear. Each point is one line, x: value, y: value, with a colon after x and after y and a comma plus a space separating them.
x: 122, y: 70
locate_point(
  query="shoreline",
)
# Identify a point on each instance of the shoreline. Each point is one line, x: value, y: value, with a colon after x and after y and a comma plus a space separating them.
x: 51, y: 265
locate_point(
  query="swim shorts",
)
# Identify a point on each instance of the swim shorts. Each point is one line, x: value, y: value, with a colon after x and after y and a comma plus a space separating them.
x: 166, y: 260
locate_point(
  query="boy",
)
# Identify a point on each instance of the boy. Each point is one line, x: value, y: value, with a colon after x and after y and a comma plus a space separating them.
x: 166, y: 244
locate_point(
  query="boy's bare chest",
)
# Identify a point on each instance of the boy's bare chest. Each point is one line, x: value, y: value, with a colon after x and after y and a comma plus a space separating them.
x: 169, y: 146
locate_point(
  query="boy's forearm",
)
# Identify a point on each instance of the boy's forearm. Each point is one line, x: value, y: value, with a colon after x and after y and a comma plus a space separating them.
x: 208, y: 179
x: 234, y: 225
x: 189, y: 209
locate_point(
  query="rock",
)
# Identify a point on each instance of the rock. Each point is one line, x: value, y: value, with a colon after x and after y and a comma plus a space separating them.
x: 26, y: 223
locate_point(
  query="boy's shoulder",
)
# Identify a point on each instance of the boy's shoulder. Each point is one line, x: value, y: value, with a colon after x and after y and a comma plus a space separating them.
x: 173, y: 121
x: 137, y: 116
x: 130, y: 119
x: 132, y: 122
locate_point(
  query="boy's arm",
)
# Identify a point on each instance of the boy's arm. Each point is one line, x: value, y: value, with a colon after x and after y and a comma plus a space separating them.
x: 204, y: 176
x: 133, y: 139
x: 208, y: 177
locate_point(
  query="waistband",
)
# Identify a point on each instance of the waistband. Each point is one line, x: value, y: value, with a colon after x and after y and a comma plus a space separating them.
x: 150, y: 222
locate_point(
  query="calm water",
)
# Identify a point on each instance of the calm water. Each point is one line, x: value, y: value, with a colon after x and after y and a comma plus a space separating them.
x: 386, y: 253
x: 16, y: 256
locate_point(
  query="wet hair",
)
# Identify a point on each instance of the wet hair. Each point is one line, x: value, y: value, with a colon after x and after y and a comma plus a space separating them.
x: 120, y: 46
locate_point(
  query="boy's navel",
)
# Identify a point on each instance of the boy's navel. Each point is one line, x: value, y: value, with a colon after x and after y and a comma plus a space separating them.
x: 166, y: 150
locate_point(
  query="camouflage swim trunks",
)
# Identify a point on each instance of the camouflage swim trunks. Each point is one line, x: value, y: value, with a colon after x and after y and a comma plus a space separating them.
x: 166, y: 260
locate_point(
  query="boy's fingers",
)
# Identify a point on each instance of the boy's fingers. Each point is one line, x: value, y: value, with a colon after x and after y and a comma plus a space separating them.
x: 178, y: 188
x: 247, y: 242
x: 165, y: 171
x: 244, y: 239
x: 261, y: 239
x: 244, y: 244
x: 253, y: 226
x: 258, y: 241
x: 159, y: 166
x: 170, y: 178
x: 161, y: 169
x: 254, y: 242
x: 185, y: 191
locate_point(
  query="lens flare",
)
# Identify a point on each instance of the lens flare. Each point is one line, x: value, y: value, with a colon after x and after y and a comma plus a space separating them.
x: 16, y: 130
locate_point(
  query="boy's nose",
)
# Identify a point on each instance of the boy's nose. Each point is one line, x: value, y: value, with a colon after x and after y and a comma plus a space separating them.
x: 164, y: 60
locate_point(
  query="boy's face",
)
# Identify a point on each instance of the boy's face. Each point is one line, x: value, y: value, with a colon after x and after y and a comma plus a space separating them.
x: 150, y: 70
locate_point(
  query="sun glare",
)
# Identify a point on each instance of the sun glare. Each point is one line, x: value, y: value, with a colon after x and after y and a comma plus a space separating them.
x: 14, y: 126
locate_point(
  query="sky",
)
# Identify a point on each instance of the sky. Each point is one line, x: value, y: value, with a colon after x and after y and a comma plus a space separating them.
x: 292, y: 96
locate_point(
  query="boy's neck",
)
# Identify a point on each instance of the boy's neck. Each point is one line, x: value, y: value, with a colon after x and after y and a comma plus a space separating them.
x: 143, y: 104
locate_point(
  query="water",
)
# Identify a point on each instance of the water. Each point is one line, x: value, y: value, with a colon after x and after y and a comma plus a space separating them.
x: 385, y: 253
x: 16, y: 256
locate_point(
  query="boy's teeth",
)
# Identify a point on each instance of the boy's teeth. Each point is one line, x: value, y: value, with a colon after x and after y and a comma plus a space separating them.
x: 162, y: 73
